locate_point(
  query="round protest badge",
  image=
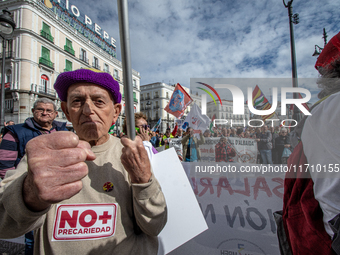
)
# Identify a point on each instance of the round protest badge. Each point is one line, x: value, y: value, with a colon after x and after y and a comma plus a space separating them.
x: 108, y: 186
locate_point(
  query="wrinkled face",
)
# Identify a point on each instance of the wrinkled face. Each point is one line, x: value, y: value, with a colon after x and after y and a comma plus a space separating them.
x: 91, y: 110
x: 44, y: 114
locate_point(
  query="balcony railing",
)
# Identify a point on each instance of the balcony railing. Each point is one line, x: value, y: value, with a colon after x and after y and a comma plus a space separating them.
x: 47, y: 91
x: 83, y: 58
x: 8, y: 54
x: 46, y: 62
x: 156, y: 107
x: 147, y: 98
x: 46, y: 35
x: 156, y: 96
x: 69, y: 49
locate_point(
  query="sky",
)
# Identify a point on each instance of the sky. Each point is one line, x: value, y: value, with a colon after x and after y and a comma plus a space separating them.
x: 175, y: 40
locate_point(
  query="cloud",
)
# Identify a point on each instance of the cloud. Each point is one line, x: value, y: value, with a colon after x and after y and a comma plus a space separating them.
x: 178, y: 40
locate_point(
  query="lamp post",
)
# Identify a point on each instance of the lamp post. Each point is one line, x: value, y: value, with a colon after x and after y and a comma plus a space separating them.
x: 7, y: 26
x: 293, y: 19
x: 318, y: 49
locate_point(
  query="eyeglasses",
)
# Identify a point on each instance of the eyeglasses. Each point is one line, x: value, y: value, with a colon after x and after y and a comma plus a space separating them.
x: 144, y: 126
x: 41, y: 110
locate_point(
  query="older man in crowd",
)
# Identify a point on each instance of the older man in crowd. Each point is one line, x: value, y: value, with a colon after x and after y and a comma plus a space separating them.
x: 12, y: 149
x: 89, y: 193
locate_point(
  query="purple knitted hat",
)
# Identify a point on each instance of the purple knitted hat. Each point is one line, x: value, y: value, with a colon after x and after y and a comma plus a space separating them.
x: 105, y: 80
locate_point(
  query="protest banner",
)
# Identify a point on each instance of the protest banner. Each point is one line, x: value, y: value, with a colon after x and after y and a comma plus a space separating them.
x: 238, y: 208
x: 246, y: 148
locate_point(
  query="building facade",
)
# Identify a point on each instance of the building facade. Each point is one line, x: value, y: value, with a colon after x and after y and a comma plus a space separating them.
x: 53, y: 36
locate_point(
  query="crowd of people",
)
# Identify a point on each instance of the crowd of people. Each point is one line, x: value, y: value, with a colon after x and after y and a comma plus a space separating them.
x: 271, y: 141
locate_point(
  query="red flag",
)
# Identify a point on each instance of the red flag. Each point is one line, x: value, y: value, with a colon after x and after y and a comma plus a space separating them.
x: 179, y: 101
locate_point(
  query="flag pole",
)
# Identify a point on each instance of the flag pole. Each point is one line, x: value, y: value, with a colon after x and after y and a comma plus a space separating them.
x: 126, y: 63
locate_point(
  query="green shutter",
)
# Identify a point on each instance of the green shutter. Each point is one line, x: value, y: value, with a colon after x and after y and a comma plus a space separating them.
x: 68, y: 65
x: 69, y: 43
x: 134, y: 97
x: 46, y: 28
x: 45, y: 53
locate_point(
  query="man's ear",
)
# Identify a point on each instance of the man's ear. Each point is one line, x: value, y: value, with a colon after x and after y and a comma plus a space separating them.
x: 117, y: 109
x: 65, y: 110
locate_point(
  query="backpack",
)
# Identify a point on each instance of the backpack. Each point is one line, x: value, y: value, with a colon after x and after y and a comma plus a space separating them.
x: 300, y: 224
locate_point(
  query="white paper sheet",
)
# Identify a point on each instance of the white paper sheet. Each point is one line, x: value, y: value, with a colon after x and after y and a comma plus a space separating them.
x: 185, y: 219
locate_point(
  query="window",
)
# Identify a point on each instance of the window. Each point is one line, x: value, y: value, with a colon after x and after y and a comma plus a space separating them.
x: 83, y: 56
x: 9, y: 103
x: 115, y: 73
x: 45, y: 81
x: 156, y: 94
x: 167, y: 94
x: 134, y: 83
x: 8, y: 76
x: 46, y: 32
x: 106, y: 68
x: 68, y: 66
x: 95, y: 63
x: 45, y: 57
x: 68, y: 47
x: 147, y: 96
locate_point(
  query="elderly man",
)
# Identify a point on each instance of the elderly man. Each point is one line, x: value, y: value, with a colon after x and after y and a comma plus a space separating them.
x: 89, y: 193
x: 16, y: 136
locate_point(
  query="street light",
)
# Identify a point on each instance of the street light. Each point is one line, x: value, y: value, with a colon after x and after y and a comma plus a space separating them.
x: 293, y: 19
x: 7, y: 26
x: 317, y: 51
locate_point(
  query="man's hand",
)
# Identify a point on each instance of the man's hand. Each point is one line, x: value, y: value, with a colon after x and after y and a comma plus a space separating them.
x: 55, y: 168
x: 135, y: 160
